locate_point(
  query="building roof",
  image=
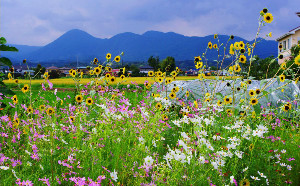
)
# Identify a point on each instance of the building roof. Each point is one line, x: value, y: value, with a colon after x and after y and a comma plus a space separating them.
x: 52, y: 67
x: 291, y: 32
x: 146, y: 67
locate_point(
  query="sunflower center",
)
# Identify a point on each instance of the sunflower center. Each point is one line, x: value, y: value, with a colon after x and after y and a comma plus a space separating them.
x: 268, y: 17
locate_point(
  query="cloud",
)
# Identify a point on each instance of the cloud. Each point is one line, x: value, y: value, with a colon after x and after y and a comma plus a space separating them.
x: 35, y: 22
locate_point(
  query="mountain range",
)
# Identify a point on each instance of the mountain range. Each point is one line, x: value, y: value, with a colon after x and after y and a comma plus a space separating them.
x: 79, y: 45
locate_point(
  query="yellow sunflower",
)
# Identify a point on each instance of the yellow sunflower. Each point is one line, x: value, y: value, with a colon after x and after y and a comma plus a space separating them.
x: 42, y: 107
x: 253, y: 101
x: 107, y: 75
x: 237, y: 68
x: 282, y: 77
x: 287, y: 107
x: 73, y: 74
x: 251, y: 93
x: 29, y: 109
x: 78, y: 98
x: 241, y: 44
x: 72, y: 118
x: 158, y: 106
x: 227, y: 100
x: 117, y: 59
x: 209, y: 45
x: 244, y: 182
x: 160, y: 79
x: 268, y: 18
x: 91, y: 72
x: 242, y: 58
x: 150, y: 73
x: 112, y: 79
x: 25, y: 88
x: 97, y: 70
x: 89, y: 101
x: 95, y: 61
x: 231, y: 50
x: 187, y: 93
x: 172, y: 95
x: 257, y: 91
x: 297, y: 60
x: 15, y: 99
x: 215, y: 46
x: 122, y: 77
x: 219, y: 103
x: 197, y: 59
x: 50, y: 111
x: 108, y: 56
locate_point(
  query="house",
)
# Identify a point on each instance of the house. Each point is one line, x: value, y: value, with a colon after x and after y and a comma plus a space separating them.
x: 287, y: 41
x: 52, y: 68
x: 146, y: 69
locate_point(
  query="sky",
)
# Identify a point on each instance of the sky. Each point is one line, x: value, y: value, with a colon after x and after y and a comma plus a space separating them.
x: 39, y: 22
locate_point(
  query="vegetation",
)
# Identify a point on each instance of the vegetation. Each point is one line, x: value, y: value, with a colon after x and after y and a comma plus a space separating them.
x: 103, y: 132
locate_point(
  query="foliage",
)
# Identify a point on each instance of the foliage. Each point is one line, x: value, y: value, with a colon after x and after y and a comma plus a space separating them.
x: 168, y: 64
x: 154, y: 62
x: 39, y: 70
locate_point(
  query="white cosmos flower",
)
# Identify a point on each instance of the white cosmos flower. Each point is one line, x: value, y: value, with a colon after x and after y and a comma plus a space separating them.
x: 255, y: 178
x: 262, y: 174
x: 114, y: 175
x: 4, y: 167
x: 149, y: 160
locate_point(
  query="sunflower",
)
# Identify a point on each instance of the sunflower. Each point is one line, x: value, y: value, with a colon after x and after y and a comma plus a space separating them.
x: 29, y: 109
x: 257, y: 91
x: 107, y: 75
x: 242, y: 58
x: 109, y: 69
x: 173, y: 74
x: 219, y: 103
x: 89, y: 101
x: 229, y: 111
x: 91, y: 72
x: 251, y: 93
x: 282, y: 77
x: 78, y: 98
x: 297, y: 60
x: 244, y: 182
x: 187, y: 93
x: 172, y: 95
x: 238, y: 88
x: 112, y: 79
x: 72, y: 118
x: 237, y: 45
x: 164, y: 117
x: 150, y: 73
x: 231, y: 50
x: 160, y: 79
x: 242, y: 113
x: 237, y: 68
x: 15, y: 99
x: 209, y: 45
x: 25, y: 88
x: 50, y: 111
x: 168, y: 81
x: 201, y: 76
x: 280, y: 46
x: 16, y: 121
x: 108, y: 56
x: 253, y: 101
x: 95, y: 61
x: 231, y: 37
x: 73, y: 73
x: 242, y: 50
x: 241, y: 45
x: 227, y: 100
x: 158, y: 106
x: 265, y: 10
x: 207, y: 100
x: 215, y: 36
x: 122, y: 77
x: 251, y: 147
x: 159, y: 73
x: 249, y: 82
x: 268, y: 18
x: 97, y: 70
x: 287, y: 107
x: 215, y: 46
x: 117, y: 59
x: 42, y: 107
x: 197, y: 59
x: 177, y: 69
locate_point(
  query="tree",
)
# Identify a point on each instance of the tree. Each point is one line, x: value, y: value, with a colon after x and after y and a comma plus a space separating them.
x: 261, y: 68
x: 39, y: 70
x: 135, y: 71
x: 168, y: 64
x: 154, y: 62
x: 5, y: 62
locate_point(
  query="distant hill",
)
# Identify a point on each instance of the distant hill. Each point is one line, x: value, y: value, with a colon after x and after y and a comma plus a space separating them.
x: 77, y: 44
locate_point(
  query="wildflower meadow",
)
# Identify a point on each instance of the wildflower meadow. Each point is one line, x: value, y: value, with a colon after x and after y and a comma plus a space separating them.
x: 115, y: 131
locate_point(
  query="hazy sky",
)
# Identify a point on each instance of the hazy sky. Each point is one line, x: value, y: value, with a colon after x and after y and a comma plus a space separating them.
x: 38, y: 22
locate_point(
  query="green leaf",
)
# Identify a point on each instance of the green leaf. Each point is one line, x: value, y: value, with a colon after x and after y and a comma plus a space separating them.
x: 265, y: 94
x: 278, y: 80
x: 2, y: 40
x: 8, y: 48
x: 257, y: 108
x: 5, y: 61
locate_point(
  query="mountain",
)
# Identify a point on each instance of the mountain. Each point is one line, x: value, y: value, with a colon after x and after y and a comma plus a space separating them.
x: 77, y: 44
